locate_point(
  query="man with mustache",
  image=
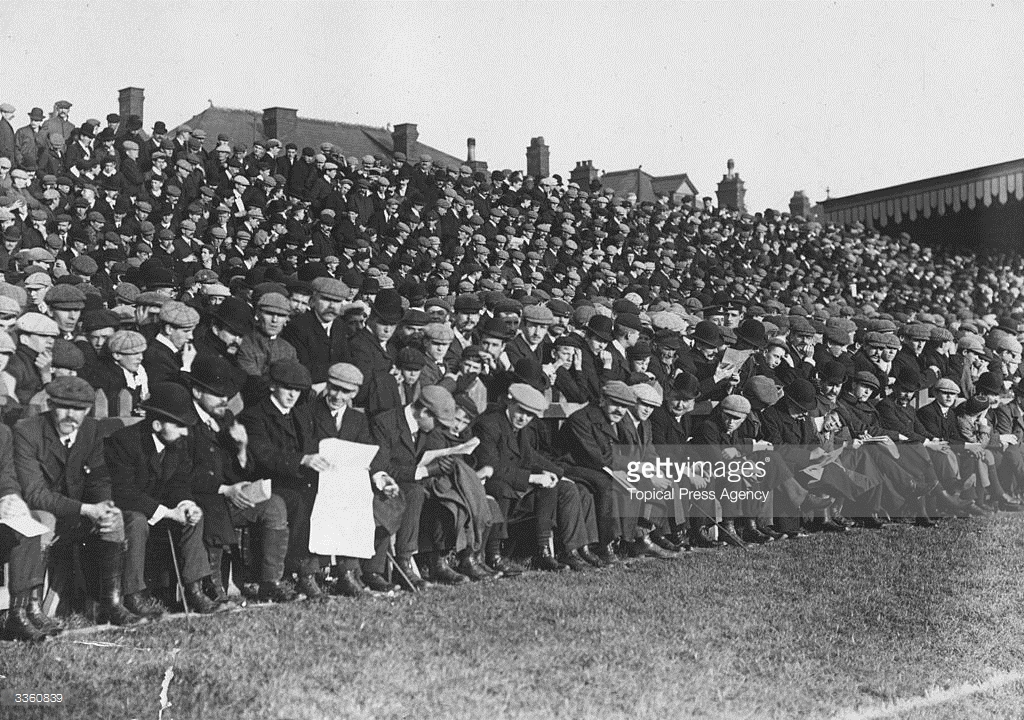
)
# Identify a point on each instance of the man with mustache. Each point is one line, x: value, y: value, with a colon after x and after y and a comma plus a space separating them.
x: 319, y: 335
x: 59, y: 460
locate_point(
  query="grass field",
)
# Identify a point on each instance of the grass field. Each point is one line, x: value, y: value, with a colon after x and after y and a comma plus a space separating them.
x: 803, y: 629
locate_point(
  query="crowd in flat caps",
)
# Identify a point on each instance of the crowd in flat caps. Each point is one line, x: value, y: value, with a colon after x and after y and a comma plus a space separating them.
x: 186, y: 318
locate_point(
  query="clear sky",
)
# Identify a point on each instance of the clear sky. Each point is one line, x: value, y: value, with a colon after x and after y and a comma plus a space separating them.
x: 850, y: 96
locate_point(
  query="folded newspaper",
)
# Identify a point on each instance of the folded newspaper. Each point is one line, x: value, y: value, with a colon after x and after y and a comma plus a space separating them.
x: 465, y: 448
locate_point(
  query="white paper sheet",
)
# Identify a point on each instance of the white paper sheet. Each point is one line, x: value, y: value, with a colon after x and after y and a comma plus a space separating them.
x: 342, y: 519
x: 465, y: 448
x: 26, y: 525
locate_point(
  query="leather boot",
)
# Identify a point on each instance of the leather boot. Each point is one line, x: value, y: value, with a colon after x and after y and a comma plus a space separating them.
x: 276, y: 592
x: 607, y: 555
x: 698, y: 539
x: 545, y: 557
x: 48, y: 625
x: 768, y: 530
x: 471, y: 568
x: 197, y: 600
x: 479, y: 555
x: 18, y: 625
x: 412, y: 573
x: 749, y: 532
x: 215, y: 591
x: 144, y: 605
x: 587, y: 554
x: 442, y: 572
x: 310, y: 587
x: 349, y: 585
x: 728, y: 528
x: 645, y: 547
x: 111, y: 608
x: 574, y: 561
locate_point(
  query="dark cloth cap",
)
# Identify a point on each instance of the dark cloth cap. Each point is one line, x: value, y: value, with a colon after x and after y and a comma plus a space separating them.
x: 64, y: 297
x: 71, y: 392
x: 410, y: 359
x: 468, y: 303
x: 97, y: 319
x: 172, y: 402
x: 290, y: 374
x: 630, y: 321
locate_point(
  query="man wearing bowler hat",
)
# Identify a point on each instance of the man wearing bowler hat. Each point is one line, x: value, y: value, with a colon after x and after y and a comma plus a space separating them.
x: 373, y: 353
x: 152, y: 471
x: 28, y: 141
x: 224, y: 471
x: 59, y: 460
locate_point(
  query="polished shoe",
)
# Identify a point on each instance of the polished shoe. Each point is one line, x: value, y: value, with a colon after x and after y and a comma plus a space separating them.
x: 841, y: 520
x: 606, y: 553
x: 1005, y: 499
x: 505, y: 566
x: 699, y: 538
x: 407, y: 566
x: 47, y: 625
x: 665, y: 543
x: 111, y: 609
x: 348, y: 585
x: 797, y: 535
x: 198, y: 602
x: 680, y: 539
x: 441, y: 572
x: 646, y: 547
x: 545, y: 558
x: 587, y: 554
x: 144, y: 605
x: 309, y: 586
x: 815, y: 502
x: 216, y: 592
x: 974, y: 511
x: 378, y: 583
x: 470, y: 567
x: 750, y: 534
x: 951, y: 503
x: 276, y: 592
x: 984, y: 506
x: 728, y: 529
x: 18, y: 625
x: 1004, y: 506
x: 769, y: 530
x: 871, y: 522
x: 574, y: 561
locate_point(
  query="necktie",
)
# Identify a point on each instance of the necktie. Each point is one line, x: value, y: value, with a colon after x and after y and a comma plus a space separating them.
x: 66, y: 441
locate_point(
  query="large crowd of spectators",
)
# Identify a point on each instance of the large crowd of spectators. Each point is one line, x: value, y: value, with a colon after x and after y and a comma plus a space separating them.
x: 185, y: 316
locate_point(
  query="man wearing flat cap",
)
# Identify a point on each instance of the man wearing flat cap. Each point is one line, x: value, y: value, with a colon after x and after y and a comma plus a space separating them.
x: 32, y: 364
x: 224, y: 471
x: 334, y: 417
x: 152, y: 473
x: 120, y: 369
x: 61, y: 468
x: 7, y: 145
x: 265, y: 346
x: 404, y: 434
x: 589, y: 436
x: 284, y: 446
x: 319, y: 335
x: 531, y: 339
x: 64, y: 304
x: 172, y: 351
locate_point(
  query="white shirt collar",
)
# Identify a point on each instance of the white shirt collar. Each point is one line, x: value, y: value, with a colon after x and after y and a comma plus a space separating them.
x: 206, y: 417
x: 278, y: 406
x: 73, y: 436
x: 163, y: 339
x: 159, y: 445
x: 413, y: 425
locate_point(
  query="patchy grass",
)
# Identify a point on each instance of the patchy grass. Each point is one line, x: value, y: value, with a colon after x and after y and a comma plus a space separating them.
x: 800, y: 629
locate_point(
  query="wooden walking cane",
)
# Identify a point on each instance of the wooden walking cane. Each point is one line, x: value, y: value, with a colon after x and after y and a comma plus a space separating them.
x: 181, y: 585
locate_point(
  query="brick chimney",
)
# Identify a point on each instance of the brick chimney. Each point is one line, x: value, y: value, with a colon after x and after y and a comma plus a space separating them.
x: 537, y: 156
x: 404, y: 138
x: 130, y: 101
x: 280, y: 123
x: 583, y: 174
x: 730, y: 190
x: 474, y: 164
x: 800, y: 205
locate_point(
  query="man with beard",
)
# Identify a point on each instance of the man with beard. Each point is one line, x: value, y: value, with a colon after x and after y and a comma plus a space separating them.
x: 468, y: 310
x: 151, y: 472
x: 319, y: 338
x: 58, y: 456
x: 224, y: 472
